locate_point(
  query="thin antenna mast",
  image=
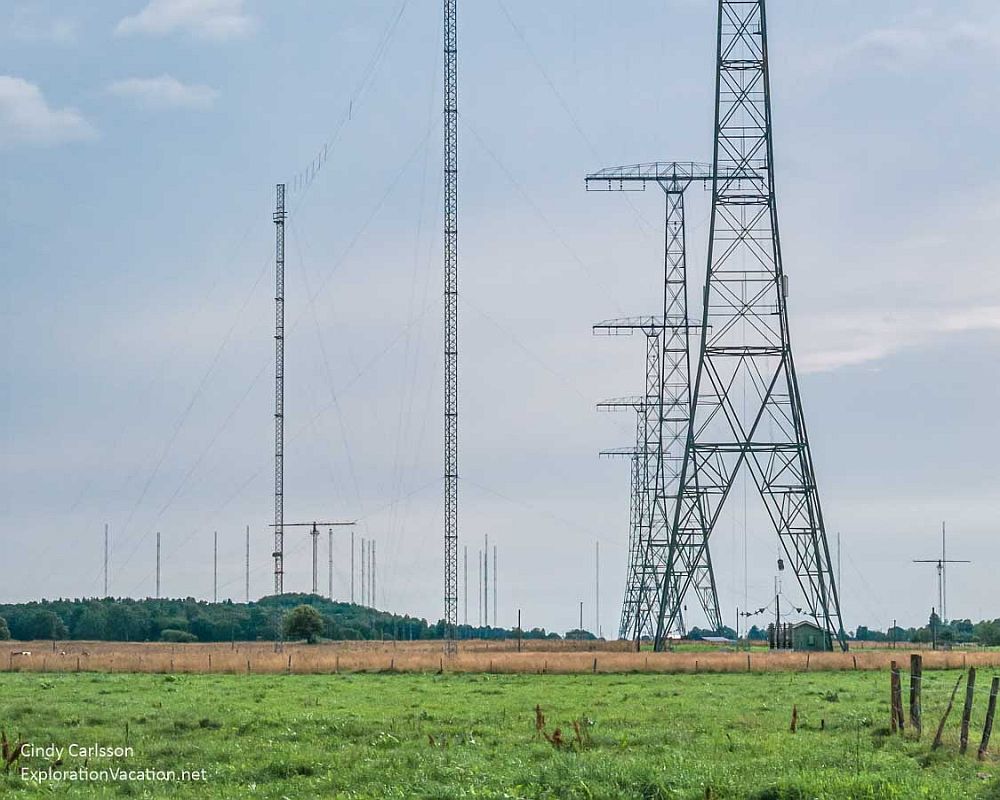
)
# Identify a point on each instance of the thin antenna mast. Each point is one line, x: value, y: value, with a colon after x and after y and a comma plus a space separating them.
x: 451, y: 320
x: 330, y: 564
x: 106, y: 551
x: 279, y: 391
x: 597, y: 589
x: 215, y: 568
x: 157, y: 565
x: 941, y: 565
x: 247, y: 573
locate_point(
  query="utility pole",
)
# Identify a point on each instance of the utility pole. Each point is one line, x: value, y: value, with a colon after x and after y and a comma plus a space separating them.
x: 279, y: 391
x: 157, y: 565
x: 215, y: 568
x: 451, y: 320
x: 106, y: 558
x: 941, y: 564
x: 581, y: 615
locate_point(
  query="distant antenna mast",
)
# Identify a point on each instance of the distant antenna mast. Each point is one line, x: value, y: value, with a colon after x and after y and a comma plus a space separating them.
x: 157, y: 565
x: 279, y: 391
x: 105, y: 559
x: 451, y: 320
x: 330, y: 564
x: 248, y: 565
x: 942, y: 567
x: 352, y: 566
x: 314, y: 532
x: 215, y: 568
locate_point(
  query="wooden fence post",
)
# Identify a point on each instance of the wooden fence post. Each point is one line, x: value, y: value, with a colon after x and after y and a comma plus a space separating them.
x: 947, y: 712
x: 991, y: 711
x: 970, y: 688
x: 897, y: 697
x: 916, y: 679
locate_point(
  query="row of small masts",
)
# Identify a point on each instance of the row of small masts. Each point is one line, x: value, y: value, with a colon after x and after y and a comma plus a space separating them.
x: 363, y: 561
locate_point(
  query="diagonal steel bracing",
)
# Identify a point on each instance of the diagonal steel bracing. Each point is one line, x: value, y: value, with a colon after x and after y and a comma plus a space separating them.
x: 746, y: 411
x: 664, y: 414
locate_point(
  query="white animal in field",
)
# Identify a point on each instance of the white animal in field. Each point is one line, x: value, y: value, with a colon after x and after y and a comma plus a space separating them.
x: 21, y: 653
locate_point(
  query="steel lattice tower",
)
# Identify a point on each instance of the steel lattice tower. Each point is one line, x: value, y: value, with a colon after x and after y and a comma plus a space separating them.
x: 279, y: 391
x: 665, y: 409
x: 451, y: 318
x: 746, y: 408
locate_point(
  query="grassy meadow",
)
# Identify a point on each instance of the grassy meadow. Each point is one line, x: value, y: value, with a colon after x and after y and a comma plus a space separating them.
x: 474, y: 736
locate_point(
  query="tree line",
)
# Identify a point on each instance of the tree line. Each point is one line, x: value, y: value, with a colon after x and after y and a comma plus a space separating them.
x: 180, y: 620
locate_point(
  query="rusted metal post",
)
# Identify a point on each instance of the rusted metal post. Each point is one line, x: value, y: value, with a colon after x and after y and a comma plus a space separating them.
x: 991, y: 711
x: 970, y: 689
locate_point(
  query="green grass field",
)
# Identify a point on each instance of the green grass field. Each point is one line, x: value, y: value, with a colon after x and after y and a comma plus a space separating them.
x: 386, y: 736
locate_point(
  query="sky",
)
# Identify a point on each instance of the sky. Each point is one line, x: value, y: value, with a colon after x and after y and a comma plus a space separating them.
x: 140, y: 143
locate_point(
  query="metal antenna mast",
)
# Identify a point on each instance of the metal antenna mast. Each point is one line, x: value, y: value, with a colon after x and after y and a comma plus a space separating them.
x: 106, y: 558
x: 745, y: 343
x: 663, y: 412
x: 942, y: 567
x: 314, y: 532
x: 215, y: 567
x: 157, y: 565
x: 329, y: 564
x: 279, y: 391
x: 451, y: 320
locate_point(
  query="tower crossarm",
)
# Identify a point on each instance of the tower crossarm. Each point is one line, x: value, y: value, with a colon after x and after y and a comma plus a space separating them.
x: 650, y: 325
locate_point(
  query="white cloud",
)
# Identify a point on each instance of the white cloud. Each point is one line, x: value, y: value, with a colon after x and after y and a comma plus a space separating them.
x: 26, y: 117
x: 29, y: 25
x: 206, y: 19
x: 164, y: 92
x: 832, y: 342
x: 926, y: 37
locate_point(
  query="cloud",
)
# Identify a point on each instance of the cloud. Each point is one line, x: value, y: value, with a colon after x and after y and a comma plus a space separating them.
x: 26, y: 117
x: 164, y: 92
x: 217, y: 20
x: 836, y: 341
x: 925, y: 38
x: 28, y: 25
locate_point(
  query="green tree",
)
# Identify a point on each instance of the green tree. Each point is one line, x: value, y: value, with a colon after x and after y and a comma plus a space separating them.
x: 46, y: 625
x: 92, y: 624
x: 304, y: 622
x: 4, y: 630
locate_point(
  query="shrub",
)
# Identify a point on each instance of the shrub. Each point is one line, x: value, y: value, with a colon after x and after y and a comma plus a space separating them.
x: 171, y: 635
x: 4, y: 630
x: 304, y: 622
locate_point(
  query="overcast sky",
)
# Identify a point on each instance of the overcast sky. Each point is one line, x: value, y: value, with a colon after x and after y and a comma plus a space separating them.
x: 139, y: 148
